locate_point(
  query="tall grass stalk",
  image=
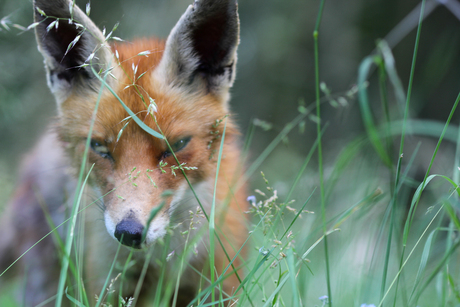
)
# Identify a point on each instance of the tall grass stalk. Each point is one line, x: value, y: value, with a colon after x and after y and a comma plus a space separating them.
x: 409, y: 89
x: 401, y: 147
x: 395, y: 280
x: 107, y: 280
x: 320, y: 149
x: 79, y: 191
x: 213, y: 215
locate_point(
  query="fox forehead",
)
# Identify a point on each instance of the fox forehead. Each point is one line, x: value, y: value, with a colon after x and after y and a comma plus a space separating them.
x: 178, y: 114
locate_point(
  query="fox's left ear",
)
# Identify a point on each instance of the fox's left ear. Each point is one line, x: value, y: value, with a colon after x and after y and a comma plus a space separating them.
x: 200, y: 52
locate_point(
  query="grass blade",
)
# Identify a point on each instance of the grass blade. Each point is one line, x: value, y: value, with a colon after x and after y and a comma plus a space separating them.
x: 320, y: 150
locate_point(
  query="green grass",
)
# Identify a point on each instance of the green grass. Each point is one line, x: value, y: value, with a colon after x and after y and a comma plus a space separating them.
x: 353, y: 224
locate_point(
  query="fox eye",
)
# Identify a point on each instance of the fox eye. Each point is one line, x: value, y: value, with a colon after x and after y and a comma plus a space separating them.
x: 179, y: 145
x: 100, y: 149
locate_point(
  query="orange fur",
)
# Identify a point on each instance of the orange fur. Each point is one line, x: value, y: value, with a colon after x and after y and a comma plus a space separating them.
x: 132, y: 169
x: 177, y: 117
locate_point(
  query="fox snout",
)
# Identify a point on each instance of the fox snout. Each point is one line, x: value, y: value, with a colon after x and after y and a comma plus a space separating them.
x: 129, y: 232
x: 129, y: 226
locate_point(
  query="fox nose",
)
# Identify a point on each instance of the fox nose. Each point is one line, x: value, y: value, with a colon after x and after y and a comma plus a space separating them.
x: 129, y: 232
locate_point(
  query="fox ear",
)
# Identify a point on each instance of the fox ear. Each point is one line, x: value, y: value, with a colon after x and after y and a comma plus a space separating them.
x: 67, y: 38
x: 200, y: 52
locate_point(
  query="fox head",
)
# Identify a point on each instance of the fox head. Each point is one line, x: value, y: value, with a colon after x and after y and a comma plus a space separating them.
x: 150, y: 110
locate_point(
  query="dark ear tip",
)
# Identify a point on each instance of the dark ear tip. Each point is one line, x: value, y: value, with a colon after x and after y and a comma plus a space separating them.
x: 230, y: 4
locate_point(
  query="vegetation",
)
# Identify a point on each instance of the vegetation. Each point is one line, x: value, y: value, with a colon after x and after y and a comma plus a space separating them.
x: 369, y: 219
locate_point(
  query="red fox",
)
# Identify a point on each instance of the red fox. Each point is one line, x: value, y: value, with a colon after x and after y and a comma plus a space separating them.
x: 149, y: 118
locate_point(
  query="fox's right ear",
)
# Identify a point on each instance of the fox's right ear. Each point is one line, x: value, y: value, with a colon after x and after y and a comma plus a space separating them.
x: 67, y: 38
